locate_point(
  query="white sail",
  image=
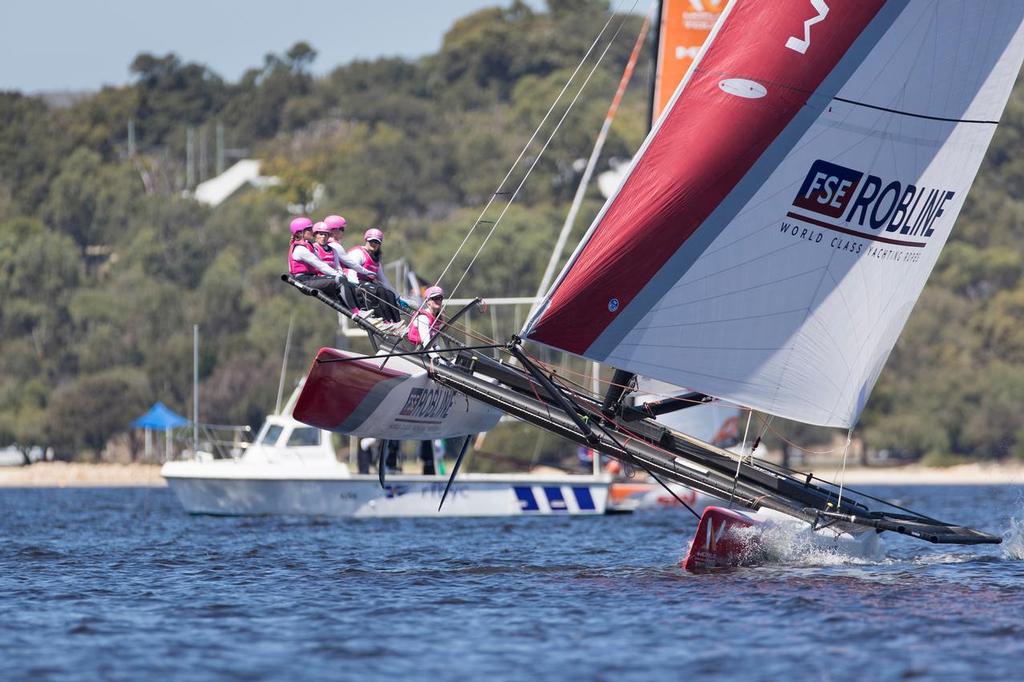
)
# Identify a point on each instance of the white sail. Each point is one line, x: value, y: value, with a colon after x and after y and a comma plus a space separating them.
x: 780, y: 223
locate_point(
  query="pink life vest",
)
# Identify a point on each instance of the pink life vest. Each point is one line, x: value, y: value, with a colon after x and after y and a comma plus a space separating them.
x: 336, y: 256
x: 414, y: 329
x: 323, y: 253
x: 368, y: 263
x: 297, y: 267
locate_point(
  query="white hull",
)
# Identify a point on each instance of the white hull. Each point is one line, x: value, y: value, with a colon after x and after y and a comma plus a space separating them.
x: 235, y: 488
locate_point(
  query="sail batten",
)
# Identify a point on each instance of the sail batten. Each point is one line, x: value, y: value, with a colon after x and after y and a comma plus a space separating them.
x: 774, y: 232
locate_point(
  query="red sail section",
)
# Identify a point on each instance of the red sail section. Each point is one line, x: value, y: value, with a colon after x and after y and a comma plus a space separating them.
x: 702, y: 149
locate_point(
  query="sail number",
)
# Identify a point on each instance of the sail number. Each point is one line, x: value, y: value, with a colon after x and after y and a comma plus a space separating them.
x: 800, y: 45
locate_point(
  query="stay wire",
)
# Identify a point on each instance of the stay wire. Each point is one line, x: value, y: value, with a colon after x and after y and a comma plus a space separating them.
x: 540, y: 155
x: 526, y: 147
x: 597, y: 422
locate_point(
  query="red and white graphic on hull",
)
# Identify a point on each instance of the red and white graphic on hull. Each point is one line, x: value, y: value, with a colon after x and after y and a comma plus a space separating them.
x: 716, y: 544
x: 399, y: 401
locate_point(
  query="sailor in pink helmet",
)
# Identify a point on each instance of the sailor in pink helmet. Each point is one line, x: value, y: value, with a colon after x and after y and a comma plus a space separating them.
x: 306, y: 266
x: 378, y: 293
x: 427, y: 320
x: 351, y: 265
x: 321, y: 249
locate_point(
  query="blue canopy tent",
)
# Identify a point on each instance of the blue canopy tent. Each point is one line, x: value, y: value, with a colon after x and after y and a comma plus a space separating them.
x: 159, y: 418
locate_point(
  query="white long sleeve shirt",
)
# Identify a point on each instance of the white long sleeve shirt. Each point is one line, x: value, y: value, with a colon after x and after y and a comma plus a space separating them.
x: 358, y: 254
x: 346, y: 260
x: 304, y: 254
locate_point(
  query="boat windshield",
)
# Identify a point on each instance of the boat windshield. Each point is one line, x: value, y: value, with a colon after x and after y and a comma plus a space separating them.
x: 303, y: 437
x: 271, y: 434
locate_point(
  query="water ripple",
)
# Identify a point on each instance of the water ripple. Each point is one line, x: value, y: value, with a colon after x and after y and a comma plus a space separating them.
x: 121, y: 585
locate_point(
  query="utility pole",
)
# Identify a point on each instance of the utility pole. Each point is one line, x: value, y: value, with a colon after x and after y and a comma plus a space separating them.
x: 195, y: 387
x: 220, y: 147
x: 190, y: 171
x: 203, y: 156
x: 131, y: 138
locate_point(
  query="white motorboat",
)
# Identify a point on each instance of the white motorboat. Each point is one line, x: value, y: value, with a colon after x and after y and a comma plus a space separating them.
x: 291, y: 468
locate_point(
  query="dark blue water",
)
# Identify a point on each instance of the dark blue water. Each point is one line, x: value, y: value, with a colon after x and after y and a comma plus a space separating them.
x: 121, y: 585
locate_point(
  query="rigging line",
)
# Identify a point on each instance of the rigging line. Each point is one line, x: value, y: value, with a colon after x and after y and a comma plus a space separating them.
x: 739, y: 460
x: 540, y: 155
x: 581, y: 189
x: 670, y: 491
x: 598, y: 422
x: 842, y: 476
x: 634, y: 436
x: 880, y: 500
x: 639, y: 463
x: 799, y: 447
x: 529, y: 142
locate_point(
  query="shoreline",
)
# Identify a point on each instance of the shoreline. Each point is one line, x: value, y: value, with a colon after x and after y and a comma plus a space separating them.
x: 136, y: 475
x: 82, y: 475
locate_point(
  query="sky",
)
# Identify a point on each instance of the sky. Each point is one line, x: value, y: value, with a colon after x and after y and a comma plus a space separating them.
x: 52, y: 45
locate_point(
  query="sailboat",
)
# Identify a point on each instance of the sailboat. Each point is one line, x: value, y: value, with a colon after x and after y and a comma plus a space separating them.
x: 799, y: 187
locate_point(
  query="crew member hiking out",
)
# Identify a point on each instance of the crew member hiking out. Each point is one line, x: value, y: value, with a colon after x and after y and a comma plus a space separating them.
x: 349, y: 265
x: 427, y: 321
x: 304, y: 264
x: 422, y: 335
x: 377, y: 292
x: 323, y: 251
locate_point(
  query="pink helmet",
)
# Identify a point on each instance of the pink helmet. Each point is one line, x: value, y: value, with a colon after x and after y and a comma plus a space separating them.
x: 321, y: 227
x: 300, y: 224
x: 432, y: 292
x: 335, y: 222
x: 373, y: 233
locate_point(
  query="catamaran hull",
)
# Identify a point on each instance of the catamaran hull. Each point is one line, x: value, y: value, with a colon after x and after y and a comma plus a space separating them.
x: 202, y: 491
x: 396, y: 400
x: 727, y: 538
x: 717, y: 543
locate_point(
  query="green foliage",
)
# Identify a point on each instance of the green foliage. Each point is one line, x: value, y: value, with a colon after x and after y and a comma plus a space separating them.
x: 83, y: 414
x: 105, y: 266
x: 171, y: 93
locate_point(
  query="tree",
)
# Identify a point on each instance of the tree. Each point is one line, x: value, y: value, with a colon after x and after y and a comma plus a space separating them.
x: 87, y: 412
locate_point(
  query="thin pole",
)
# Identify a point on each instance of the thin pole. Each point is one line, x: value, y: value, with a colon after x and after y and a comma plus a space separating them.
x: 652, y: 104
x: 220, y: 147
x: 195, y: 388
x: 581, y: 189
x: 190, y: 159
x: 595, y: 387
x: 284, y: 364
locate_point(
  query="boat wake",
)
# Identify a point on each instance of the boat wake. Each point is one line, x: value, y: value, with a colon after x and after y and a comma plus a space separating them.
x: 1013, y: 540
x: 778, y: 542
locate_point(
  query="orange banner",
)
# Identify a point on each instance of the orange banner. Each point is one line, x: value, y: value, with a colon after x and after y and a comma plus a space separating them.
x: 685, y: 24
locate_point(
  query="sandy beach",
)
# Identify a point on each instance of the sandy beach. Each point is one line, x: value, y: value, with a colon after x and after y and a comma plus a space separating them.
x: 915, y: 474
x: 67, y: 475
x: 81, y: 475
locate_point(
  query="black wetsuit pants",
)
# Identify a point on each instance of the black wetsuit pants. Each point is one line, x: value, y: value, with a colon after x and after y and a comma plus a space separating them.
x: 345, y: 292
x: 382, y: 300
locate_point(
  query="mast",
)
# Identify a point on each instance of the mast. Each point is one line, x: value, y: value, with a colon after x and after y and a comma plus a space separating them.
x: 691, y: 27
x: 621, y: 379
